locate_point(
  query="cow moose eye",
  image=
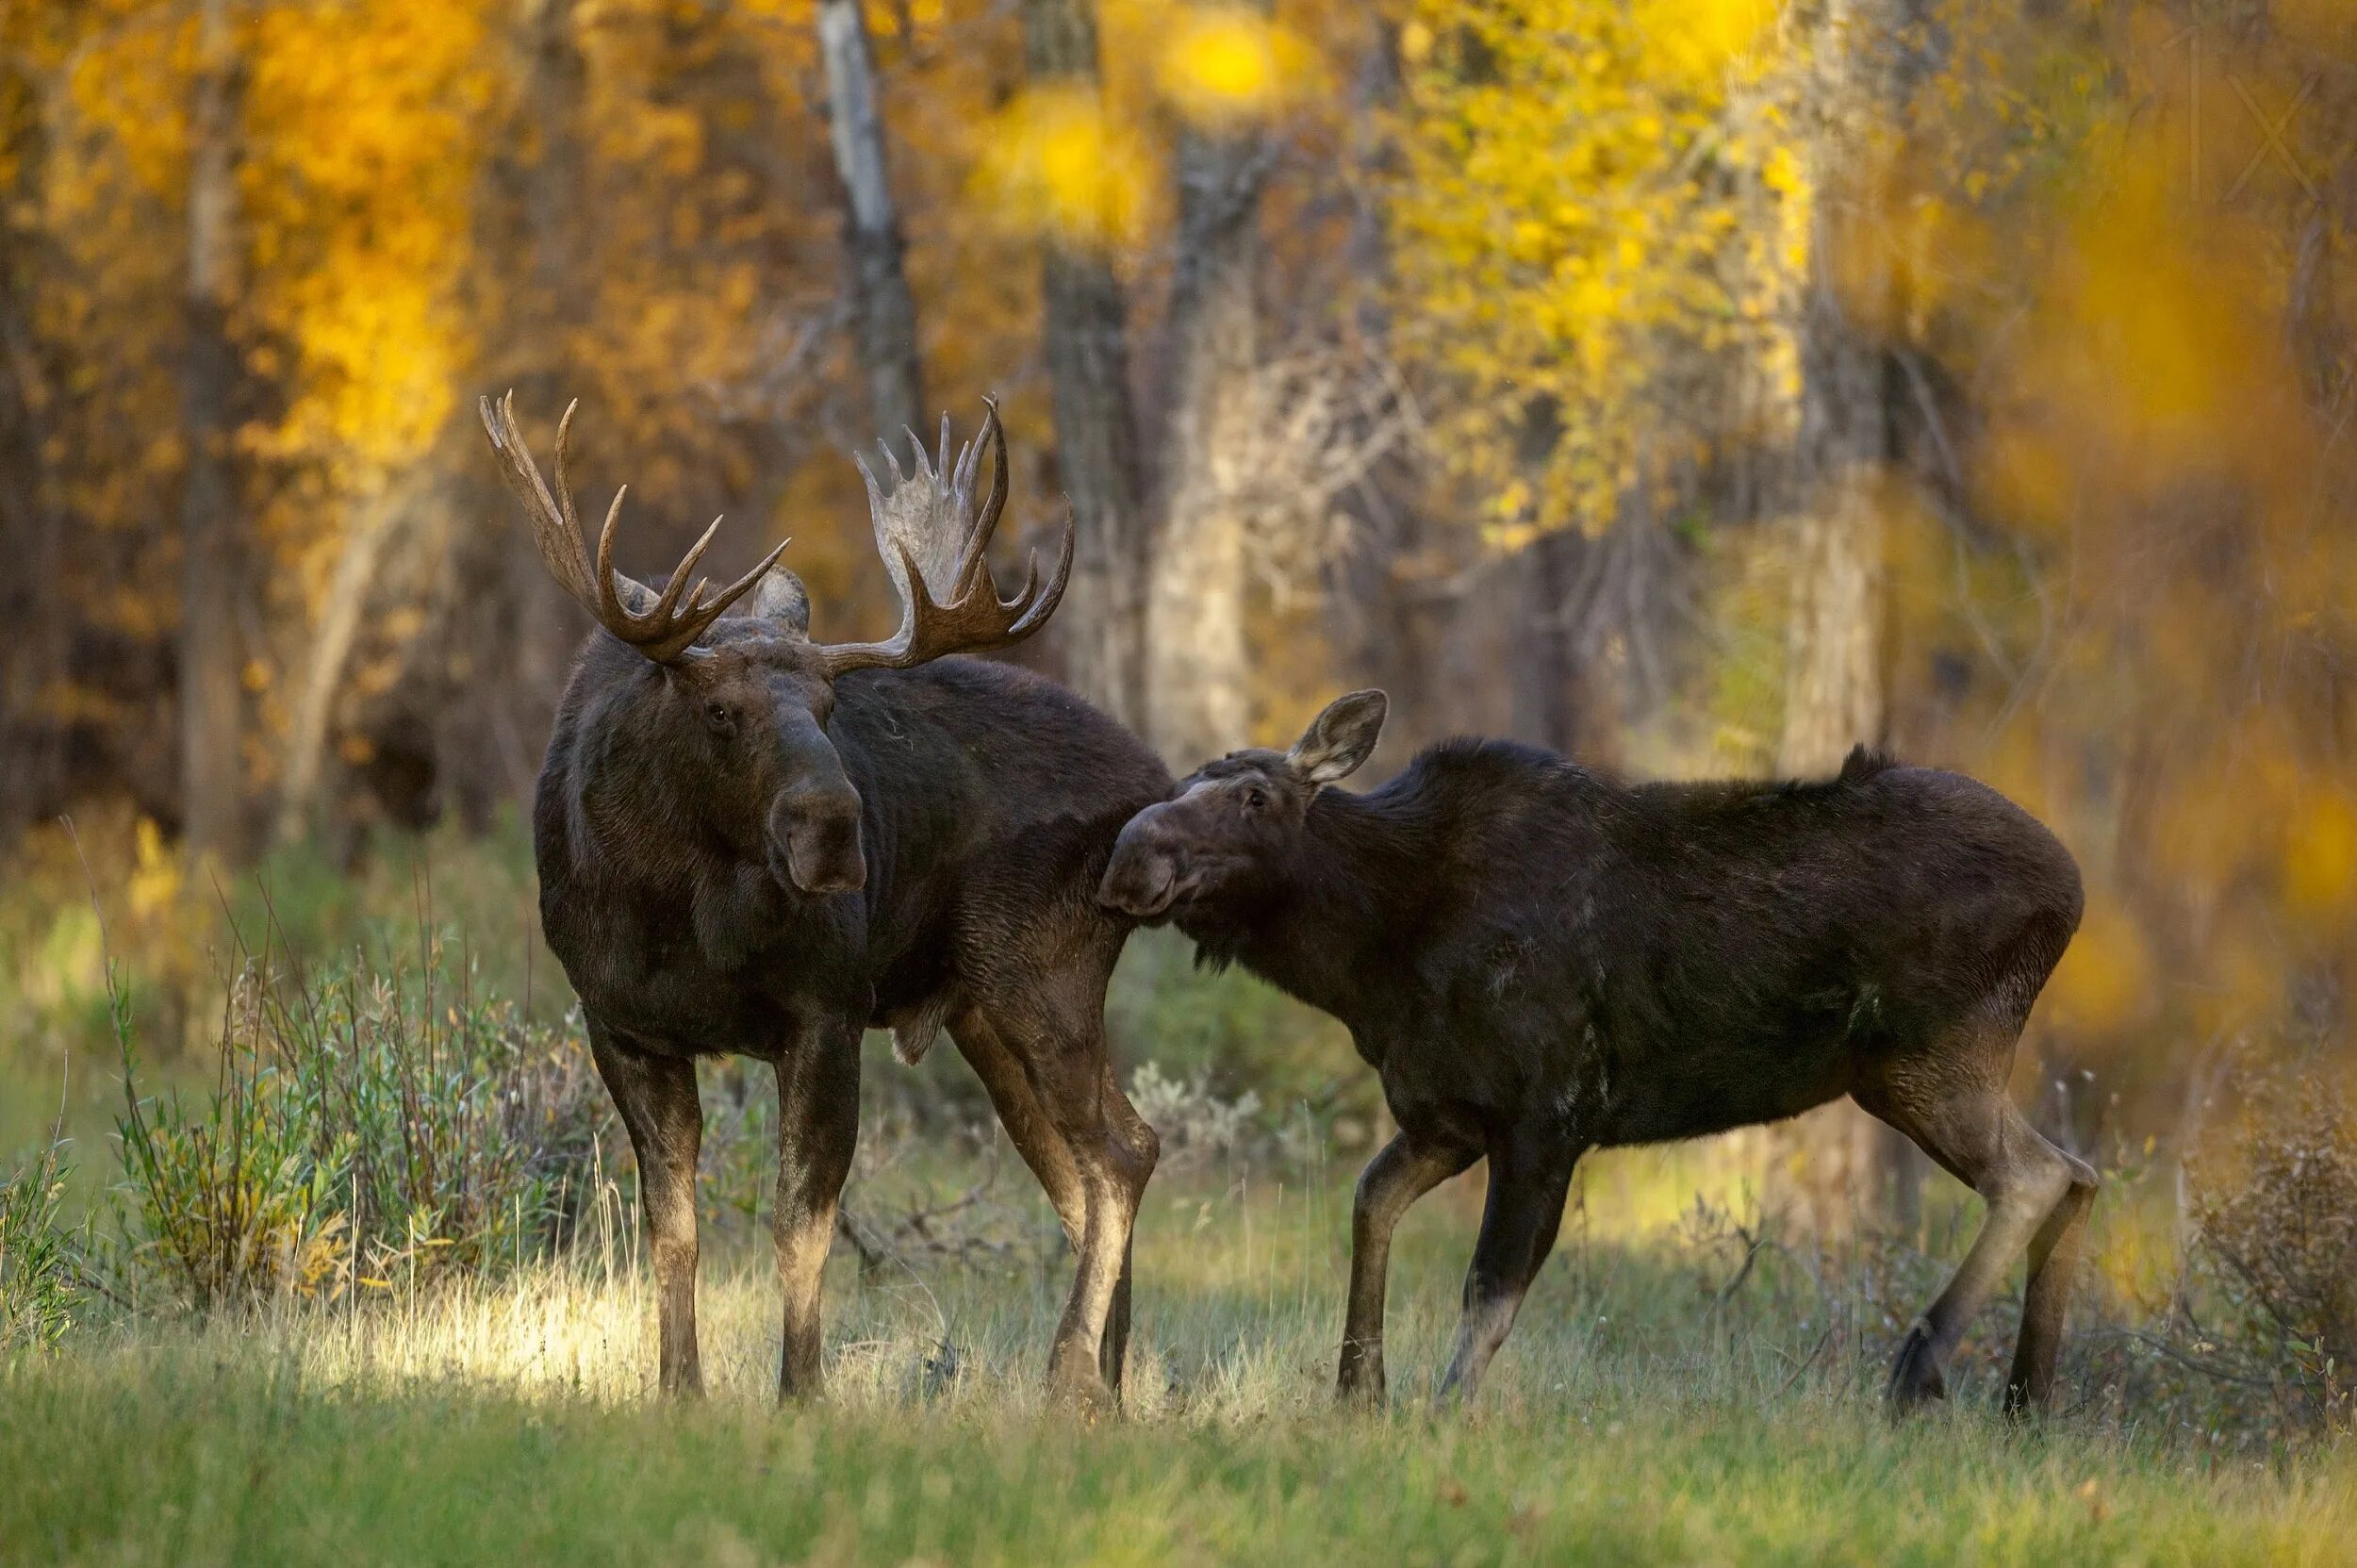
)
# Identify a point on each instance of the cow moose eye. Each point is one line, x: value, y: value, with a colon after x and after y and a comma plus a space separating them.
x: 1256, y: 799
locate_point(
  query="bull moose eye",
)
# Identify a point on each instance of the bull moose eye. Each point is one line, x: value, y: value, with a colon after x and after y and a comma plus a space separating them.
x: 717, y: 715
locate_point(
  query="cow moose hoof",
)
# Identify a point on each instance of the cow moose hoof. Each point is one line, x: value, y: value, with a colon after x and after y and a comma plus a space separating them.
x: 1915, y: 1376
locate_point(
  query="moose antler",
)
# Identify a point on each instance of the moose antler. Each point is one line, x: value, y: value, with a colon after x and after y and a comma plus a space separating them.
x: 934, y: 538
x: 661, y: 627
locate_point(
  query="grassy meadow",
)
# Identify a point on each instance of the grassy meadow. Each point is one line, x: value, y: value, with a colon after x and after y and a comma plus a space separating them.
x: 382, y: 1363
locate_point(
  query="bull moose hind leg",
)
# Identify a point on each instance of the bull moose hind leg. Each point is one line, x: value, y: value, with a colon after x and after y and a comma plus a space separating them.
x: 656, y: 1095
x: 1954, y: 1105
x: 818, y: 1135
x: 1406, y: 1169
x: 1035, y: 1137
x: 1136, y: 1148
x: 1054, y: 1031
x: 1530, y: 1176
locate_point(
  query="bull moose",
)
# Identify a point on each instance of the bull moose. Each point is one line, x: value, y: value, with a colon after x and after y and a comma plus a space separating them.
x: 1539, y: 962
x: 755, y: 843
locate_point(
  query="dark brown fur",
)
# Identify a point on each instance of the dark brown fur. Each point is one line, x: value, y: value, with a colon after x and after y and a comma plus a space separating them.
x: 964, y: 812
x: 750, y: 842
x: 1538, y: 960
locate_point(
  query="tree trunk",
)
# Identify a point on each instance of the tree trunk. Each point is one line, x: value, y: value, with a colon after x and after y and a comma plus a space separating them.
x: 883, y: 312
x: 369, y: 526
x: 1389, y: 627
x: 212, y: 763
x: 1199, y: 690
x: 1102, y: 623
x: 1840, y: 1163
x: 34, y: 604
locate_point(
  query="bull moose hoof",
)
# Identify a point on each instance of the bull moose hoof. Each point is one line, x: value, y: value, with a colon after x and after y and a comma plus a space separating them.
x: 1915, y: 1376
x: 1081, y: 1390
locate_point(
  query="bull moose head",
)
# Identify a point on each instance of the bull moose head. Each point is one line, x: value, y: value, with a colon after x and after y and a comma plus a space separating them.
x: 741, y: 709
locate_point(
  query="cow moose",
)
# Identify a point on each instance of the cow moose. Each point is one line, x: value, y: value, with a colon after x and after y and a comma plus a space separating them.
x: 751, y: 842
x: 1539, y: 961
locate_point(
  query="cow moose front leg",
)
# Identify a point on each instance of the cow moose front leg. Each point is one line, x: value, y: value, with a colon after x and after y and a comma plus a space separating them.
x: 1405, y: 1169
x: 818, y: 1135
x: 656, y: 1095
x: 1530, y: 1176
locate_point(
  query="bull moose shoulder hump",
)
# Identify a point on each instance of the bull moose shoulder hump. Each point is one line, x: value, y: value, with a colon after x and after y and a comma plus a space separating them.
x: 753, y: 843
x: 1539, y: 961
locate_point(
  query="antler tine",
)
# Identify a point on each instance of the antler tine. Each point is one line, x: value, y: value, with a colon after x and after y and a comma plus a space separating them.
x: 664, y: 632
x: 958, y: 609
x: 564, y: 451
x: 1051, y: 595
x: 553, y: 528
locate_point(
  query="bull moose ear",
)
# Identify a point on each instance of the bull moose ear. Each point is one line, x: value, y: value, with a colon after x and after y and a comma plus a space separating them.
x: 782, y: 598
x: 1338, y: 739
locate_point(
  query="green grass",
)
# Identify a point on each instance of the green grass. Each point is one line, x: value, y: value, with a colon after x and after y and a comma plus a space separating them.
x: 1633, y: 1417
x: 1659, y: 1401
x: 183, y: 1465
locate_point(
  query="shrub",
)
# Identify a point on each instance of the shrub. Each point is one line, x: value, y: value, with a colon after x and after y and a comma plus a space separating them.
x: 2274, y: 1205
x: 42, y: 1274
x: 1196, y: 1126
x: 364, y: 1130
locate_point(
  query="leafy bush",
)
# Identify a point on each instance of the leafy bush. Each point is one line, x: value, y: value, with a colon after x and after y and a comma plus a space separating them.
x: 1196, y: 1126
x: 2274, y: 1204
x: 1234, y: 1033
x: 43, y: 1277
x: 364, y: 1130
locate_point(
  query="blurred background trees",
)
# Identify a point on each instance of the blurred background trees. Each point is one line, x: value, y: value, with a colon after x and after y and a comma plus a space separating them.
x: 1696, y: 385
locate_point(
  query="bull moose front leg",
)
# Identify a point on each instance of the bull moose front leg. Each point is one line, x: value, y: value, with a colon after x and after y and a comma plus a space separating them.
x: 817, y: 1133
x: 1406, y: 1169
x: 656, y: 1095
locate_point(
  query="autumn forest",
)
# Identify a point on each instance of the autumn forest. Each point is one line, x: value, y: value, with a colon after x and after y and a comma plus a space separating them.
x: 1698, y: 388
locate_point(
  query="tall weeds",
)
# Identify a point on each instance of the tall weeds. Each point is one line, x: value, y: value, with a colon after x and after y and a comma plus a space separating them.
x: 44, y: 1271
x: 364, y: 1130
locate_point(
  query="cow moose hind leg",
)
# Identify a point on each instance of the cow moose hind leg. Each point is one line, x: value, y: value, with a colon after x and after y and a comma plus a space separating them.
x: 1530, y: 1176
x: 2037, y: 1199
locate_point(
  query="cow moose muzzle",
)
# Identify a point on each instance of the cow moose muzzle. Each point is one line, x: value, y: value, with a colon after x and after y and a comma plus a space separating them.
x: 1141, y: 879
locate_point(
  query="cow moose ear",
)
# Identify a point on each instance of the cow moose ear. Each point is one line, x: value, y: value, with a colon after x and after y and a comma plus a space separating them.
x: 1338, y: 739
x: 782, y: 598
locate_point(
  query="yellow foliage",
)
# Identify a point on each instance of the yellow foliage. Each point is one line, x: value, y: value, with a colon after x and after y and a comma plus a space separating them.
x: 1599, y: 228
x: 1224, y: 64
x: 1057, y: 164
x: 2106, y: 980
x: 2321, y: 855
